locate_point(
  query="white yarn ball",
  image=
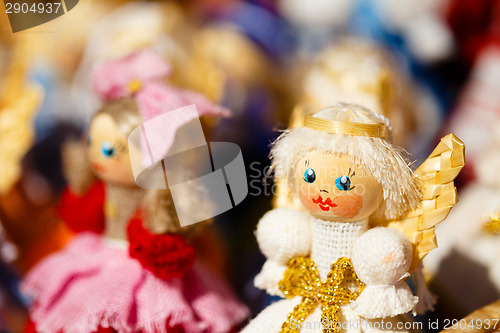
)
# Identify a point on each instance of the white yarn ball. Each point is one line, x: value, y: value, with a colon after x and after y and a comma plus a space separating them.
x: 381, y: 256
x: 284, y: 233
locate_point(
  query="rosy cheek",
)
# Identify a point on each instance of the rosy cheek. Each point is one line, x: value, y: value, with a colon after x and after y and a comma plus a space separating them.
x: 306, y: 195
x: 348, y: 205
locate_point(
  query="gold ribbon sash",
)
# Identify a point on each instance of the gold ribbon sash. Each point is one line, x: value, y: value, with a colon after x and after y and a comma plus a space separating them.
x: 302, y: 279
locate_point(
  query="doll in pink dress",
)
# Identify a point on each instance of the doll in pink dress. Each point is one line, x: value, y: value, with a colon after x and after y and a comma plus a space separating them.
x: 130, y: 267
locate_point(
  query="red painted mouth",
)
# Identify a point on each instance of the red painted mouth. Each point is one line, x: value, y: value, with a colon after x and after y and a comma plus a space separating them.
x: 97, y: 167
x: 325, y: 208
x: 324, y: 205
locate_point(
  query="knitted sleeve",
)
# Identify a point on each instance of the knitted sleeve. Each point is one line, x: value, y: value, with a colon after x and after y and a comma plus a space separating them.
x: 282, y: 234
x: 381, y: 258
x: 83, y: 212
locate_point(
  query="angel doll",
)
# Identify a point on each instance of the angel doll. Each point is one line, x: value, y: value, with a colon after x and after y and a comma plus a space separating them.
x: 337, y: 271
x: 130, y: 268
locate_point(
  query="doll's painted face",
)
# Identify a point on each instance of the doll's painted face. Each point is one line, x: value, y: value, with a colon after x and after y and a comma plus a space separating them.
x: 108, y: 151
x: 333, y: 188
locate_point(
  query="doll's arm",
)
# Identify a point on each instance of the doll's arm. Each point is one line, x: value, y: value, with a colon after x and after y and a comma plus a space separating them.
x: 426, y: 299
x: 282, y: 234
x: 381, y: 258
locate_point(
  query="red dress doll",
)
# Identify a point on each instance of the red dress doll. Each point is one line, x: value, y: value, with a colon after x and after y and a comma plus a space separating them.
x: 129, y: 269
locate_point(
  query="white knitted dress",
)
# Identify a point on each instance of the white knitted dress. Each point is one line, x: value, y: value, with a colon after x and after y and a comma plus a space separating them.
x: 329, y: 241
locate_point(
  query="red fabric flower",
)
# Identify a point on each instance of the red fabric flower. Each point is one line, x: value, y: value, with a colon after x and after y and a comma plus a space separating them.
x: 166, y: 256
x: 86, y: 212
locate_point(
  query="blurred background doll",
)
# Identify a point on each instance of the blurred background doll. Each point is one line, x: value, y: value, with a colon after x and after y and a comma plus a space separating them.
x: 167, y: 27
x: 130, y: 268
x: 359, y: 71
x: 349, y: 178
x: 49, y: 60
x: 363, y: 72
x: 416, y: 34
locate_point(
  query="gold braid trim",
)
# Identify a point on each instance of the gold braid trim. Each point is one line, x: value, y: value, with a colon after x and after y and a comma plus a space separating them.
x: 302, y: 279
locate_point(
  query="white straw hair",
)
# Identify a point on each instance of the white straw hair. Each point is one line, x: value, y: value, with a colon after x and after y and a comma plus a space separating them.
x: 385, y: 161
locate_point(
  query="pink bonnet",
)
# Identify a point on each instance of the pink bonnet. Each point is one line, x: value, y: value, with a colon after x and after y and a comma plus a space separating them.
x: 141, y: 75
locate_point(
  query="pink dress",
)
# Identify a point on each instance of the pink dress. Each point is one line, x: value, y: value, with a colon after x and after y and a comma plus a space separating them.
x: 94, y: 283
x: 107, y: 288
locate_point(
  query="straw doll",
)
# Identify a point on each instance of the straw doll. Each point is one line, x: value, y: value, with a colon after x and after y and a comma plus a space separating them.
x: 130, y: 267
x: 329, y: 261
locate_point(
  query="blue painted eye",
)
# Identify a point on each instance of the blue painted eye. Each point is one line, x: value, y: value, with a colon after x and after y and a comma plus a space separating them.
x: 343, y: 183
x: 310, y: 175
x: 107, y: 149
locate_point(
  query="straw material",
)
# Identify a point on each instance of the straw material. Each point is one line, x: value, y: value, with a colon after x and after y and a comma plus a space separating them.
x: 347, y: 128
x: 480, y: 318
x: 19, y: 101
x: 439, y: 195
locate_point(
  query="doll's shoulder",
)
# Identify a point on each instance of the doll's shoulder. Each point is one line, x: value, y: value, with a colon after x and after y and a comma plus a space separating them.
x: 283, y: 222
x: 283, y: 233
x: 83, y: 212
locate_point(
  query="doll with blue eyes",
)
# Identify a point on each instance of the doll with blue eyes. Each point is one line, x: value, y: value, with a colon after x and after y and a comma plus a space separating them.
x: 130, y: 268
x: 365, y: 223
